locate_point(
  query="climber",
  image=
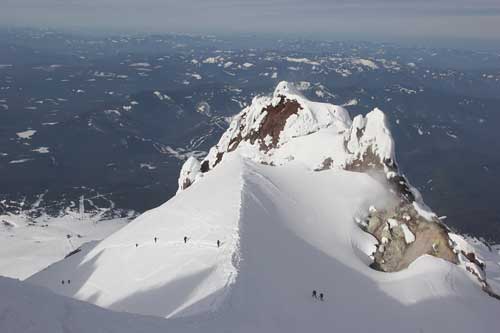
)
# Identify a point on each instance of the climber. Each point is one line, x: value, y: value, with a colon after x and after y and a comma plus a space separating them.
x: 62, y: 281
x: 69, y: 281
x: 321, y: 297
x: 156, y: 239
x: 185, y: 239
x: 315, y: 295
x: 218, y: 243
x: 136, y: 245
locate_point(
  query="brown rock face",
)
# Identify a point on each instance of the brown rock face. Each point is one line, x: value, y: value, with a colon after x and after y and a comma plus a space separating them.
x: 275, y: 120
x: 272, y: 125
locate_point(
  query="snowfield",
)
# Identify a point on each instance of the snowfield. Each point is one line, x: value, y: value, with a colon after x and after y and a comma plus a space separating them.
x: 281, y: 238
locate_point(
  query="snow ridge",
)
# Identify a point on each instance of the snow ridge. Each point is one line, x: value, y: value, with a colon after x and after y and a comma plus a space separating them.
x: 163, y: 271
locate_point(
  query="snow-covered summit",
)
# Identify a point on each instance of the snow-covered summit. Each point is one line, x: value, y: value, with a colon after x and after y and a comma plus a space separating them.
x: 287, y: 127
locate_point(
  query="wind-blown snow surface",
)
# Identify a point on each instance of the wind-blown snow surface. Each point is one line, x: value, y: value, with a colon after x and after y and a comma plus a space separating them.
x: 285, y: 231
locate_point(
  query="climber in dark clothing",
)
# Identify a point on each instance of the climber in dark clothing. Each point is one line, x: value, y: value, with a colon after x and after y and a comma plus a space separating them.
x: 315, y: 295
x: 218, y: 243
x: 185, y: 239
x: 136, y: 245
x: 69, y: 281
x: 156, y: 239
x: 321, y: 297
x: 62, y: 281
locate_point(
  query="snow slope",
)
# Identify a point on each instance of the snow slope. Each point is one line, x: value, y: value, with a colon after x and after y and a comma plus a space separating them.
x: 167, y: 277
x: 282, y: 238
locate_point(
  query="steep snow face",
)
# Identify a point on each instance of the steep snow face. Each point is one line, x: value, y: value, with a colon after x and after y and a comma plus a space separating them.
x: 286, y: 126
x: 281, y: 238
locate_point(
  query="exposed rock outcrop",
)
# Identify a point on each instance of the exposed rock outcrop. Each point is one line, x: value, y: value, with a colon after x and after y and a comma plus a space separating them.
x: 404, y: 235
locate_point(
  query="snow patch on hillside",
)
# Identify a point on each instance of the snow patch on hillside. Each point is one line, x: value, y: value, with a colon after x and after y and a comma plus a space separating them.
x: 42, y: 150
x: 26, y: 134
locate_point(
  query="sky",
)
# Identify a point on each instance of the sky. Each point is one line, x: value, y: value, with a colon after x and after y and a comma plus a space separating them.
x: 338, y: 19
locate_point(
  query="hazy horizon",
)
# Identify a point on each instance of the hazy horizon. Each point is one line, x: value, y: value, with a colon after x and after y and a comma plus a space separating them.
x: 379, y: 20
